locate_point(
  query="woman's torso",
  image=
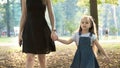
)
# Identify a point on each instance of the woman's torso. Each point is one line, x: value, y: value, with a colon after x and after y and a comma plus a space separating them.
x: 35, y: 9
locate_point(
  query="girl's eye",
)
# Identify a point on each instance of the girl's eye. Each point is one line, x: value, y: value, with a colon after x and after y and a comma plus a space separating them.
x: 86, y: 22
x: 82, y: 22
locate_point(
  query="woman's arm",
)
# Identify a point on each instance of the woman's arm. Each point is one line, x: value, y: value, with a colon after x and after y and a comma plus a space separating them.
x: 65, y: 41
x: 51, y: 15
x: 52, y: 20
x: 22, y: 21
x: 23, y: 17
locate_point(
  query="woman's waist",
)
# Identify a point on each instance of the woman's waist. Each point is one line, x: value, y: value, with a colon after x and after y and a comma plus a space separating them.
x: 36, y: 17
x: 36, y: 14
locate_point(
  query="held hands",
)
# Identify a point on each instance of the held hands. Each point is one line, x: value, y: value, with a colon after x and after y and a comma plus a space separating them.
x: 54, y: 36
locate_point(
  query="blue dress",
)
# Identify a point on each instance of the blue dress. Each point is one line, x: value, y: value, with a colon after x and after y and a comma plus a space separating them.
x: 84, y: 56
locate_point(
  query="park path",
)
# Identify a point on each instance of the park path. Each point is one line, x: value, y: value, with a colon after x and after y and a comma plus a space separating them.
x: 12, y: 57
x: 15, y: 42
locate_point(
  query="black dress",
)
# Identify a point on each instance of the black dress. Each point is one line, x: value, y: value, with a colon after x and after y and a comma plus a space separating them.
x: 36, y: 33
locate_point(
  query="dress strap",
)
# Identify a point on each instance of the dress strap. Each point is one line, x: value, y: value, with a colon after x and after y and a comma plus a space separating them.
x: 90, y: 35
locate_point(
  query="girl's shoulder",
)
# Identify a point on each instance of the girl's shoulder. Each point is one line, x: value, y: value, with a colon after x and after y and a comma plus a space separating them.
x: 76, y: 33
x: 93, y: 37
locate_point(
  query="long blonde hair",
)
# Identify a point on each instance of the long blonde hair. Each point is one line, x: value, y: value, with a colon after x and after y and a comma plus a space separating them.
x: 92, y: 29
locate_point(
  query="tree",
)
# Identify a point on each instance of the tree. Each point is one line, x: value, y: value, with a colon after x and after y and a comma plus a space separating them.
x: 60, y: 17
x: 70, y: 9
x: 7, y: 16
x: 94, y: 11
x: 10, y: 14
x: 2, y: 20
x: 113, y: 4
x: 65, y: 10
x: 93, y: 7
x: 56, y: 1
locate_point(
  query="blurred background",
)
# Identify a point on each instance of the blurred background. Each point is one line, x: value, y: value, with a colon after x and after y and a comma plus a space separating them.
x: 68, y: 13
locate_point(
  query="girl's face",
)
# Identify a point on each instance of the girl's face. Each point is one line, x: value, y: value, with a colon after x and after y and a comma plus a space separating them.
x: 85, y: 23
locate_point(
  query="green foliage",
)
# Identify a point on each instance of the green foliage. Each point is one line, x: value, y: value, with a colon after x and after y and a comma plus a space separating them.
x: 6, y: 39
x: 112, y: 2
x: 60, y: 18
x: 64, y: 12
x: 2, y: 16
x: 99, y: 1
x: 70, y: 9
x: 115, y: 2
x: 83, y: 3
x: 113, y: 29
x: 57, y: 1
x: 67, y: 13
x: 9, y: 15
x: 71, y: 26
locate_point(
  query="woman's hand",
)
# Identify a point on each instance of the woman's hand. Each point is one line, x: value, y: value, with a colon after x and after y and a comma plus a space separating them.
x: 20, y: 39
x: 54, y: 36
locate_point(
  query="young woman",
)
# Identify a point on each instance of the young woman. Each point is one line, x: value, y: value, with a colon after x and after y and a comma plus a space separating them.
x: 85, y: 39
x: 34, y: 31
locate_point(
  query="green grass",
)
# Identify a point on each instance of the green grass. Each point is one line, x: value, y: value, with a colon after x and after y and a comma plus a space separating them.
x: 7, y: 39
x: 113, y: 47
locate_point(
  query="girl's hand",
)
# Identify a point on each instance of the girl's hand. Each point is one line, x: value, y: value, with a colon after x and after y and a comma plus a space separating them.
x: 54, y: 36
x: 107, y: 59
x: 20, y: 39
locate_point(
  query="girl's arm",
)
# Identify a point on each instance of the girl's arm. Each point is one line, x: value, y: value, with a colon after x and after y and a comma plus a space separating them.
x: 95, y: 49
x: 100, y: 48
x: 65, y: 41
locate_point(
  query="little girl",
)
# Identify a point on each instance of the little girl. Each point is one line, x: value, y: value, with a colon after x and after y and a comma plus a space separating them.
x: 85, y: 38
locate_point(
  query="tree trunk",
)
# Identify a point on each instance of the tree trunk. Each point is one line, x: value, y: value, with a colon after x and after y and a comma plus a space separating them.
x: 94, y: 12
x: 115, y: 20
x: 7, y: 18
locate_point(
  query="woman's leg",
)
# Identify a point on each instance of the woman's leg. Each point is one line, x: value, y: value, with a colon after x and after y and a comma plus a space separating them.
x: 42, y: 60
x: 30, y: 60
